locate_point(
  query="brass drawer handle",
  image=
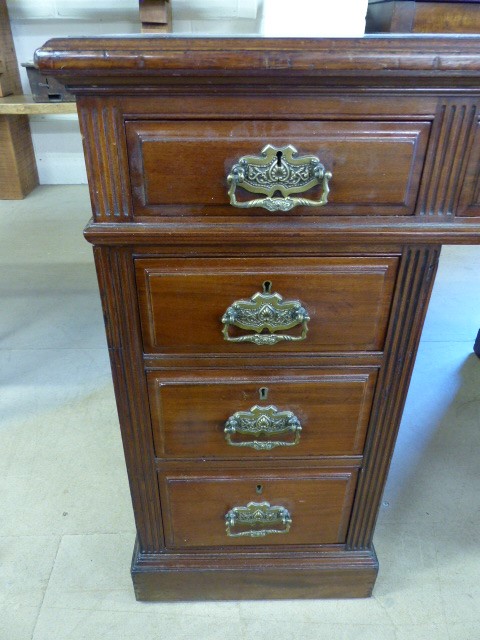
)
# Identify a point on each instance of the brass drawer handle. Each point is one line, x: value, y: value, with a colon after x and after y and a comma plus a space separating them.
x: 265, y: 311
x: 257, y: 514
x: 278, y: 169
x: 265, y: 421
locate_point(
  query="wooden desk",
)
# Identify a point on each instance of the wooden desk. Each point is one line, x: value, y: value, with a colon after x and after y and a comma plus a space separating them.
x: 263, y: 304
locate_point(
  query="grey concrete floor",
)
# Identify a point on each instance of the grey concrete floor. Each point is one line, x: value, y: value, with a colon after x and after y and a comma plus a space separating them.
x: 66, y: 525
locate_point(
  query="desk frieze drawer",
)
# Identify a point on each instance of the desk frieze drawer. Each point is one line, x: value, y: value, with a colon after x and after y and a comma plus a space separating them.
x: 233, y: 306
x: 191, y: 167
x: 293, y: 414
x: 263, y: 507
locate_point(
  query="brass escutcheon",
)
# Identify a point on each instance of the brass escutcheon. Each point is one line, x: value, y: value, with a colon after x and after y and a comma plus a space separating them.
x: 278, y: 170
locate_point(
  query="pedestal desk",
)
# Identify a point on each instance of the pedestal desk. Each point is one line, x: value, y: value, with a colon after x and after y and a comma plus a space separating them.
x: 267, y: 222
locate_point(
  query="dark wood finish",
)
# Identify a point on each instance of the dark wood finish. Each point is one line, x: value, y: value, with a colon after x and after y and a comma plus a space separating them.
x: 162, y: 120
x: 115, y: 276
x: 261, y: 361
x: 470, y: 196
x: 195, y: 502
x: 189, y: 412
x: 182, y: 301
x: 359, y: 154
x: 149, y: 62
x: 451, y: 139
x: 213, y: 238
x: 415, y: 282
x: 195, y: 506
x: 254, y: 575
x: 107, y: 172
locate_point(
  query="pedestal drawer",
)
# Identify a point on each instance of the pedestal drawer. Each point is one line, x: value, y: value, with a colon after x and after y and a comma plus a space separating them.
x: 227, y: 306
x: 182, y: 167
x: 260, y: 414
x: 218, y: 507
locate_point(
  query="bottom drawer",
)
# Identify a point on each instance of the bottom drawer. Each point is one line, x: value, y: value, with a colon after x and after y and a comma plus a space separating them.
x: 266, y: 507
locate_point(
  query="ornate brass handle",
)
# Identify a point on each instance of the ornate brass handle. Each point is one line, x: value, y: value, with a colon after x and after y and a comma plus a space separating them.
x: 254, y: 515
x: 278, y: 169
x: 265, y: 311
x: 260, y: 421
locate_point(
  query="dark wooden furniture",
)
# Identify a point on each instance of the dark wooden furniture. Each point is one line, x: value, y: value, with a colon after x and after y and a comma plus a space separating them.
x: 261, y: 354
x: 423, y: 16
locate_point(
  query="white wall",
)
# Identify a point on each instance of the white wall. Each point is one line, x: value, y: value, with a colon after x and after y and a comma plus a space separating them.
x: 57, y: 138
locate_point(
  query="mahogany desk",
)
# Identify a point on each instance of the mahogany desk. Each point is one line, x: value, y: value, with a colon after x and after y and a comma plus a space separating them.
x: 267, y: 221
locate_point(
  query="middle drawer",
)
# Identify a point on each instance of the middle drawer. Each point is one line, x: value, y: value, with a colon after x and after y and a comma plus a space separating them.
x: 227, y: 415
x: 230, y: 306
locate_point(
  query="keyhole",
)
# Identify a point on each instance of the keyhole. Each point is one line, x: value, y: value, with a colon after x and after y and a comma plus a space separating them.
x: 263, y: 393
x: 267, y: 286
x: 259, y: 489
x: 279, y: 158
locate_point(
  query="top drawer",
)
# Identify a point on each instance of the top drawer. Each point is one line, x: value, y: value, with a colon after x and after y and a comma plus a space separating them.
x: 181, y: 168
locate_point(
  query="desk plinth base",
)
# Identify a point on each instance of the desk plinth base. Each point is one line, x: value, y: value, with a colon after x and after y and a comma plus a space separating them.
x: 253, y: 576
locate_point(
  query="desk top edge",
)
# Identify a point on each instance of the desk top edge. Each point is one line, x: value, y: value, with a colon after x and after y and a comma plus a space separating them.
x: 144, y: 55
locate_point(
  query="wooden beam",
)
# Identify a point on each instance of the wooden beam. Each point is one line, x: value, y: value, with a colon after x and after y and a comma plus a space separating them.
x: 18, y: 170
x: 156, y: 16
x: 10, y: 76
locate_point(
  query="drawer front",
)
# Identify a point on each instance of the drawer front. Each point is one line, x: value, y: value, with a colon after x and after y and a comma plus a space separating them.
x: 181, y: 168
x: 218, y: 415
x: 186, y: 305
x: 195, y: 506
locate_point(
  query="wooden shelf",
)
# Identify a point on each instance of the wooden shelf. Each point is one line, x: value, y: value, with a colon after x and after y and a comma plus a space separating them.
x: 24, y: 105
